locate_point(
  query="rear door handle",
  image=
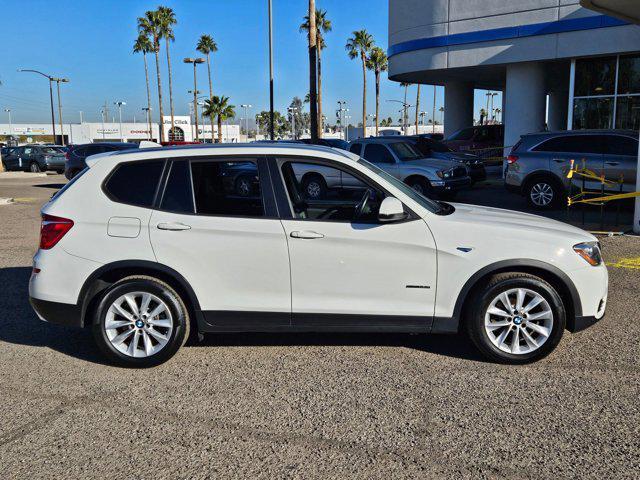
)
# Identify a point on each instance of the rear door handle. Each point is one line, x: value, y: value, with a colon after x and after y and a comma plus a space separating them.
x: 559, y: 160
x: 306, y: 234
x: 612, y: 163
x: 176, y: 227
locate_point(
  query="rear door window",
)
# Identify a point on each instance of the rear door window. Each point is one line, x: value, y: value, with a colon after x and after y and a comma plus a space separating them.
x: 227, y: 188
x: 355, y: 148
x: 585, y: 144
x: 377, y: 153
x: 135, y: 183
x: 620, y: 145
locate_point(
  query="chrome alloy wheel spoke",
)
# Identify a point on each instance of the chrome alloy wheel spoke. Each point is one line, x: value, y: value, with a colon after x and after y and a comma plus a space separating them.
x: 138, y: 324
x: 518, y: 321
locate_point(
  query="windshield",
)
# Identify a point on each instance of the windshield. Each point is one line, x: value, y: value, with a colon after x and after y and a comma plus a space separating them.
x: 403, y: 187
x: 405, y: 151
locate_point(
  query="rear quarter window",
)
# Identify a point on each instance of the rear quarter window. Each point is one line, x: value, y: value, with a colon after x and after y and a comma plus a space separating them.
x: 134, y: 183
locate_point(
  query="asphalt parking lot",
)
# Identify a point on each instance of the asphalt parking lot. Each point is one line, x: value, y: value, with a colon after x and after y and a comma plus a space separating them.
x: 309, y: 405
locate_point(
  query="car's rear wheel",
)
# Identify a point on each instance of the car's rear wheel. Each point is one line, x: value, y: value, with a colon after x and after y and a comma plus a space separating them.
x: 140, y: 322
x: 34, y: 167
x: 516, y: 318
x: 544, y: 193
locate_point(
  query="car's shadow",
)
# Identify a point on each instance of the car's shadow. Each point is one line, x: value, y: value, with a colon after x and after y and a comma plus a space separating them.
x: 20, y: 325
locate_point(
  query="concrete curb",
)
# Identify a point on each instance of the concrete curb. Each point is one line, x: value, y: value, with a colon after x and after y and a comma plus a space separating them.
x: 23, y: 175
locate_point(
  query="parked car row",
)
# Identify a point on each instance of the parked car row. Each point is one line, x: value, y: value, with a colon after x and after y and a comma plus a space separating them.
x: 34, y: 158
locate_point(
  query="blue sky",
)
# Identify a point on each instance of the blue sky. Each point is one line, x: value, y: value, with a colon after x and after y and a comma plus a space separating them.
x: 90, y: 42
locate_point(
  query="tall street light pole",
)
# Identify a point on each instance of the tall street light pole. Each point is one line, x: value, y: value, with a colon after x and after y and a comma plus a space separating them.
x: 271, y: 115
x: 50, y: 78
x: 433, y: 115
x: 195, y: 62
x: 8, y: 110
x: 120, y: 104
x: 246, y: 118
x: 147, y: 111
x: 58, y: 81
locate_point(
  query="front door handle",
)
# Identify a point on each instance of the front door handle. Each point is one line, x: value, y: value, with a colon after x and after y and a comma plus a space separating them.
x: 612, y: 163
x: 559, y: 160
x: 176, y: 227
x: 306, y: 234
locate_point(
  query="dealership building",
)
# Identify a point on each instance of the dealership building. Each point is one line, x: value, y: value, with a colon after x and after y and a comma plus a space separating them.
x: 87, y: 132
x: 559, y: 65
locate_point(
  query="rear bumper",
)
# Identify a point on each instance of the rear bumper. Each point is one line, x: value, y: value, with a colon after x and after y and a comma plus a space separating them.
x: 54, y: 312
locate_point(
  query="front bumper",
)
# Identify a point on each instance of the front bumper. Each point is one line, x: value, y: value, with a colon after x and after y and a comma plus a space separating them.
x: 450, y: 185
x: 54, y: 312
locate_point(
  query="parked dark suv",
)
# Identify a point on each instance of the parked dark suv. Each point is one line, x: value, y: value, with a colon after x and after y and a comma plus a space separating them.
x: 34, y: 158
x: 76, y: 155
x: 538, y: 164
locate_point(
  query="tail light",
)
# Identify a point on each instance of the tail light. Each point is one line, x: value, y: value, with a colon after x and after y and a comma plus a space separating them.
x: 512, y: 158
x: 52, y: 230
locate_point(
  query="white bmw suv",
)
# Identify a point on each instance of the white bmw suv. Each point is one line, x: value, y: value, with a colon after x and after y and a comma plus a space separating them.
x: 146, y: 246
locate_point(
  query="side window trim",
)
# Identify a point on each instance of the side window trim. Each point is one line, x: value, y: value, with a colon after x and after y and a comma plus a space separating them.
x: 282, y: 196
x: 266, y: 191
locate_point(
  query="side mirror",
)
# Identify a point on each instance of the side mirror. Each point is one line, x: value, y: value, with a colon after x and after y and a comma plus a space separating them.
x: 391, y: 210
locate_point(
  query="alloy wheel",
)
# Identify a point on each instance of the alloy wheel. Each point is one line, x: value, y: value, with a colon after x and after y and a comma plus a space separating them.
x: 244, y: 187
x: 138, y: 324
x: 313, y: 189
x: 518, y: 321
x: 541, y: 194
x: 418, y: 188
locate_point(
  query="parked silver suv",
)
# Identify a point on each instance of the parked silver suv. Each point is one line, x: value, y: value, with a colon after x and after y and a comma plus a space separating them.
x: 538, y: 164
x: 401, y: 159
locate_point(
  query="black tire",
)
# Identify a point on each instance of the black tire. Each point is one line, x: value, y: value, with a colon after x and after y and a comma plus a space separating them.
x: 314, y: 187
x: 176, y: 306
x: 535, y: 186
x: 451, y: 196
x: 481, y: 300
x: 420, y: 185
x: 34, y: 167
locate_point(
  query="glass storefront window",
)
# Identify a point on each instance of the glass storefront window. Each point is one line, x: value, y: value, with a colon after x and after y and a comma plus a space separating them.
x: 595, y: 76
x: 629, y: 74
x: 628, y: 113
x: 593, y: 113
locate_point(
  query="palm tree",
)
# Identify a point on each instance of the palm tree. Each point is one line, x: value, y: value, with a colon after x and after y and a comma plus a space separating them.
x: 323, y: 25
x: 219, y: 106
x: 144, y: 45
x: 417, y: 107
x: 167, y: 20
x: 206, y: 45
x: 405, y: 120
x: 377, y: 62
x: 149, y: 25
x: 359, y: 45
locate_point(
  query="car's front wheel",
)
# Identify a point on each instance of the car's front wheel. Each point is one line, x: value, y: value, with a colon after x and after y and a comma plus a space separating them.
x: 516, y: 318
x: 140, y: 322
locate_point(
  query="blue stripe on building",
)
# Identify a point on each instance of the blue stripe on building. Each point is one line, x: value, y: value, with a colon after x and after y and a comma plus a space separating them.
x: 505, y: 33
